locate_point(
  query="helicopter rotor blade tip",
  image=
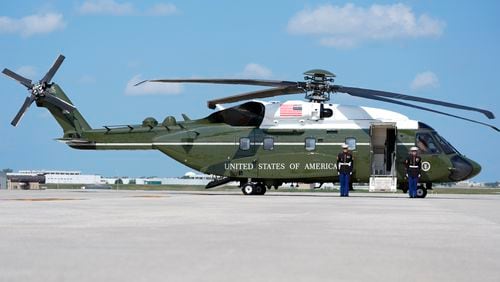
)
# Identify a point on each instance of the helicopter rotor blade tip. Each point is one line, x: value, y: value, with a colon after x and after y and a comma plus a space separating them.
x: 19, y: 78
x: 52, y: 71
x: 141, y: 82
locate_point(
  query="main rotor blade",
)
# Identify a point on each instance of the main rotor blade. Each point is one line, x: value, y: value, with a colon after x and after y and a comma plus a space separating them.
x: 255, y: 94
x: 59, y: 103
x: 21, y: 79
x: 258, y: 82
x: 50, y: 74
x: 27, y: 103
x: 374, y: 97
x: 354, y: 90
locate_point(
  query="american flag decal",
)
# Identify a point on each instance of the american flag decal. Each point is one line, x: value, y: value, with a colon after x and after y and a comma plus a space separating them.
x: 291, y: 110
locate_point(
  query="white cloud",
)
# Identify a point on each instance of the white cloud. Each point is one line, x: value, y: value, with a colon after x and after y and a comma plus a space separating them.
x: 106, y: 7
x: 27, y: 71
x: 162, y: 9
x: 426, y: 79
x: 112, y: 7
x: 256, y: 71
x: 349, y: 25
x: 32, y: 24
x: 151, y: 88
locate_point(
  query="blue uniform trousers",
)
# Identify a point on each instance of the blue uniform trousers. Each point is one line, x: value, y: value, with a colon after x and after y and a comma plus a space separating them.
x: 412, y: 185
x: 344, y: 183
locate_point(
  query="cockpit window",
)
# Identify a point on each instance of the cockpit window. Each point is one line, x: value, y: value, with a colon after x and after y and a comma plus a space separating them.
x: 447, y: 147
x: 426, y: 144
x: 247, y: 114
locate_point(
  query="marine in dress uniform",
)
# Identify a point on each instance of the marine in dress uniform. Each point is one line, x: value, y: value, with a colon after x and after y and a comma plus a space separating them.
x: 413, y: 165
x: 345, y: 164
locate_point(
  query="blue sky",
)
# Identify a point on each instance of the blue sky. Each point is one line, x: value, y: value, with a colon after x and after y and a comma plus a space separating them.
x: 437, y: 49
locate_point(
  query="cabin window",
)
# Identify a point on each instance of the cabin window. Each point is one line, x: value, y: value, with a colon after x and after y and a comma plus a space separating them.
x: 268, y: 143
x: 351, y: 143
x: 245, y: 143
x: 310, y: 144
x: 426, y: 144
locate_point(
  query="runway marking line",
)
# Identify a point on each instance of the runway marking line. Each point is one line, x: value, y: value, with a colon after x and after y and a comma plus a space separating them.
x: 148, y: 196
x: 43, y: 199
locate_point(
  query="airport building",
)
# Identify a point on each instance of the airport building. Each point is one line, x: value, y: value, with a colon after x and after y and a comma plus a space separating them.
x: 3, y: 180
x: 60, y: 176
x: 190, y: 178
x: 30, y: 178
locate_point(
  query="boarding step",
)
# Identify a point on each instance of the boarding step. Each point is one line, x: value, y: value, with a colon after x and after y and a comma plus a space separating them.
x: 386, y: 183
x: 218, y: 182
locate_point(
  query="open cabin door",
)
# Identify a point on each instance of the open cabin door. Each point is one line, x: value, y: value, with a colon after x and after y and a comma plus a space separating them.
x: 383, y: 147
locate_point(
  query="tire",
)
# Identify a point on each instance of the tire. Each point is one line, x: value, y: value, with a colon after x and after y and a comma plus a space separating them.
x: 248, y: 189
x: 261, y: 189
x: 428, y: 185
x: 421, y: 192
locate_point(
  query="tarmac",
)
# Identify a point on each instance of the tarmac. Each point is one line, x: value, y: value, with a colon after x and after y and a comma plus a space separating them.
x: 88, y: 235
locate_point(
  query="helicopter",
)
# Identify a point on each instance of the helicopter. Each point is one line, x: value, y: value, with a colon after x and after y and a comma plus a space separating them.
x: 264, y: 144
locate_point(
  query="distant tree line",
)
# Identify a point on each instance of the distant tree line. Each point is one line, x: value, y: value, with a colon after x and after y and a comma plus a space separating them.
x: 492, y: 184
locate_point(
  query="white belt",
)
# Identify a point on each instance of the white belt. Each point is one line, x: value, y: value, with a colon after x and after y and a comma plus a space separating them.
x: 414, y: 166
x: 349, y: 163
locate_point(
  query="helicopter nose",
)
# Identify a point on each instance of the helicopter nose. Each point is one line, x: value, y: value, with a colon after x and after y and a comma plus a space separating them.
x: 476, y: 168
x: 463, y: 168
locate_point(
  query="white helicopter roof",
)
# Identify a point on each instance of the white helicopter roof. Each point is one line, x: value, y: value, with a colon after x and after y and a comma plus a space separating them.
x: 304, y: 115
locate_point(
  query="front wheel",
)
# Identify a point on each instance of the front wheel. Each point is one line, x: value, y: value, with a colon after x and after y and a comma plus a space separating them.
x: 421, y: 191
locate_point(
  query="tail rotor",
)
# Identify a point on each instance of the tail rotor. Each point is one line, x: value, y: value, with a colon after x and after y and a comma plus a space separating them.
x: 39, y: 91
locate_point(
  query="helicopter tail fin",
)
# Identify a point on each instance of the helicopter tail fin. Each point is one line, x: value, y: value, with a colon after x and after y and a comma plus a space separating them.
x: 72, y: 122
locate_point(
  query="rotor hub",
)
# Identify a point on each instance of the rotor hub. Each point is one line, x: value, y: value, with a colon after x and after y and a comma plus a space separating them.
x: 38, y: 89
x: 318, y: 85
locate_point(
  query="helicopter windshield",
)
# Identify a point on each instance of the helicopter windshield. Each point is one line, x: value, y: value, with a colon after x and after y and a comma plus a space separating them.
x: 433, y: 143
x: 445, y: 145
x: 426, y: 144
x: 247, y: 114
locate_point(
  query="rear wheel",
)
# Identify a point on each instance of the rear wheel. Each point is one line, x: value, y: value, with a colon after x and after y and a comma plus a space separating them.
x: 248, y: 188
x: 260, y: 189
x: 253, y: 188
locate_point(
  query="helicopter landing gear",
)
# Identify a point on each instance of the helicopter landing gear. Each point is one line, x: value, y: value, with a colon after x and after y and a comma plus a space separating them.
x: 421, y: 191
x: 261, y: 189
x: 254, y: 188
x: 421, y: 188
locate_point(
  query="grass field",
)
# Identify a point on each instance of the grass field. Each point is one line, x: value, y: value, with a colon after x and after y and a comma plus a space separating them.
x: 451, y: 190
